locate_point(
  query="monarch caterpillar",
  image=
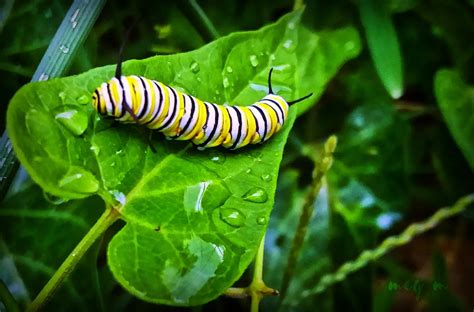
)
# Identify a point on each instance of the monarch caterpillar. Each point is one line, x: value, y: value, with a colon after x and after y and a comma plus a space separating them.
x: 183, y: 117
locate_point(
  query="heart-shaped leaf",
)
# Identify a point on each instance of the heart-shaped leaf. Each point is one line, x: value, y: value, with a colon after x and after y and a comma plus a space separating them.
x: 193, y: 219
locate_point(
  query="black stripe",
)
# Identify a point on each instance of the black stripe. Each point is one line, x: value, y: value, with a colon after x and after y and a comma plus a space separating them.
x: 230, y: 121
x: 124, y: 99
x: 145, y: 105
x: 160, y: 101
x: 216, y: 122
x: 99, y: 109
x: 279, y: 107
x: 193, y: 108
x: 239, y: 132
x: 260, y: 111
x: 111, y: 99
x: 256, y: 121
x: 173, y: 113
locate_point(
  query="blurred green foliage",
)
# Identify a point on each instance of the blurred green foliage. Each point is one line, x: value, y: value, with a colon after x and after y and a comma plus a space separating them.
x: 397, y: 160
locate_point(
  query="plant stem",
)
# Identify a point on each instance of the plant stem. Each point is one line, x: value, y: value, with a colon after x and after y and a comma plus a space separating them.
x: 257, y: 288
x: 387, y: 245
x: 109, y: 216
x: 320, y: 171
x: 199, y: 19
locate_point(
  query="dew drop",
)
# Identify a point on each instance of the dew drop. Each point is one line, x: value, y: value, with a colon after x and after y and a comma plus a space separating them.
x: 266, y: 177
x: 225, y: 82
x: 95, y: 149
x: 43, y: 77
x: 193, y: 196
x: 79, y: 181
x: 72, y: 119
x: 120, y: 153
x: 83, y: 99
x: 55, y: 200
x: 261, y: 220
x: 64, y: 49
x: 217, y: 92
x: 253, y: 60
x: 118, y: 197
x: 232, y: 217
x: 195, y: 68
x: 288, y: 43
x: 256, y: 195
x: 272, y: 57
x: 248, y: 170
x: 291, y: 25
x: 229, y: 69
x: 199, y: 79
x: 217, y: 157
x: 62, y: 95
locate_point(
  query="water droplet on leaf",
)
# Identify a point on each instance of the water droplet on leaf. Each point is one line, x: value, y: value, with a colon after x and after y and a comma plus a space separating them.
x: 72, y: 119
x: 119, y: 198
x: 288, y: 44
x: 53, y: 199
x: 217, y: 157
x: 253, y: 60
x: 232, y: 217
x: 225, y: 82
x: 261, y: 220
x: 229, y: 69
x: 62, y: 95
x: 79, y: 180
x: 195, y: 68
x: 266, y: 177
x: 83, y: 99
x: 256, y: 195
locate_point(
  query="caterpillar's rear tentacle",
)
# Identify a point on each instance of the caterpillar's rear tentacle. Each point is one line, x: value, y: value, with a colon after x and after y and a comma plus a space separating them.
x: 182, y: 117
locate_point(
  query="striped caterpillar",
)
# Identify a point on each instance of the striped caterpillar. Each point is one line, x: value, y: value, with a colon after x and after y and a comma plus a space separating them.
x: 183, y: 117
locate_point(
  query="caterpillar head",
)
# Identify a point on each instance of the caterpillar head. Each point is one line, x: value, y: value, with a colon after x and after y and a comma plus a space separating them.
x: 107, y: 99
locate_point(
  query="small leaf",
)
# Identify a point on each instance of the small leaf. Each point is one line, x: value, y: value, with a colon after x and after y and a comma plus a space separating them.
x: 456, y: 100
x: 383, y: 45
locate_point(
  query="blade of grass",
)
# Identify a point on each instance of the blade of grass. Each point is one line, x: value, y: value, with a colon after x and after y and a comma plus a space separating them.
x: 199, y: 19
x: 70, y: 35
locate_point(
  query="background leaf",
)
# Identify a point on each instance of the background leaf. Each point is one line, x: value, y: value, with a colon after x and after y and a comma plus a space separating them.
x: 456, y: 100
x: 194, y: 219
x: 38, y: 235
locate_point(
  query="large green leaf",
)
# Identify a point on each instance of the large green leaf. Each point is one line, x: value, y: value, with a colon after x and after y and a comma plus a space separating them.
x: 193, y: 219
x: 456, y: 100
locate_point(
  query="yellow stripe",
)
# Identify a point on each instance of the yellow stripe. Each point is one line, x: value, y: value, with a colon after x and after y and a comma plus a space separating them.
x: 197, y: 134
x: 114, y: 90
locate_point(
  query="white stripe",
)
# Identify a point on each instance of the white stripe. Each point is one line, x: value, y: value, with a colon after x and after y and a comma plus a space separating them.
x: 260, y: 121
x: 105, y: 94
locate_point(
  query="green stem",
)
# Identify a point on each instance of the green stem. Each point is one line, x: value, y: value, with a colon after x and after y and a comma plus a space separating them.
x: 109, y: 216
x: 387, y: 245
x: 257, y: 288
x: 320, y: 171
x: 199, y: 19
